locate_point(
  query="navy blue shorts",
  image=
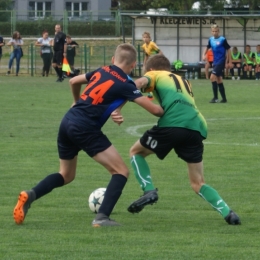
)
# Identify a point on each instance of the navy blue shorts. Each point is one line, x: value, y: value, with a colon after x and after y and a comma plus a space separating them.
x: 73, y: 138
x: 218, y: 69
x: 186, y: 143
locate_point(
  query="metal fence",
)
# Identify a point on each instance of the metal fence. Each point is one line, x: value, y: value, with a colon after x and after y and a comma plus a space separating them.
x: 92, y: 23
x: 87, y: 59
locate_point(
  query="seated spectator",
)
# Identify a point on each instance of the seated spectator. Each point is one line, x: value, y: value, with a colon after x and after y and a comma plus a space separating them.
x: 236, y: 61
x: 248, y: 62
x: 209, y: 63
x: 257, y: 62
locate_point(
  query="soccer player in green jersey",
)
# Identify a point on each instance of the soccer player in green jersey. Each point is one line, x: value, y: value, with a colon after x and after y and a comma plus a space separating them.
x: 182, y: 128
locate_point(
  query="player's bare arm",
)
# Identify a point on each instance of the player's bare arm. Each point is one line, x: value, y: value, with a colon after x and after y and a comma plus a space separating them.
x: 145, y: 103
x: 116, y: 115
x: 204, y: 56
x: 75, y: 86
x: 229, y: 57
x: 141, y: 83
x: 65, y: 50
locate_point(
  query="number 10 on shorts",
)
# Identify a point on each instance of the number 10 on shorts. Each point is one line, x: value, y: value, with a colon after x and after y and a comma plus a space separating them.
x: 151, y: 142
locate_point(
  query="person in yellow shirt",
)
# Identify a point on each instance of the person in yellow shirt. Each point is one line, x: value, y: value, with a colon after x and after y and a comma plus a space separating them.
x: 150, y: 48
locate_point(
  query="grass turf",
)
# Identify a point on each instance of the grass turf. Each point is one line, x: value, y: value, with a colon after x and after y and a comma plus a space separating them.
x: 180, y: 226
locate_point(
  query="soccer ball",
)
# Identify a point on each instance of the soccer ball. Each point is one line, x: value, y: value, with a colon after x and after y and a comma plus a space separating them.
x: 95, y: 199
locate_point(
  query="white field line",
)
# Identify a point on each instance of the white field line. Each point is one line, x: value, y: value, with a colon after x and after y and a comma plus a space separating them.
x: 133, y: 130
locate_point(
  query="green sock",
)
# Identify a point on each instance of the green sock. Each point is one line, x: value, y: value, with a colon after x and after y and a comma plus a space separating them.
x: 213, y: 198
x: 142, y: 172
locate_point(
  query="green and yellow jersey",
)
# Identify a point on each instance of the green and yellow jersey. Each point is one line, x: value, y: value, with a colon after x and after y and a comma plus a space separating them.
x: 247, y: 58
x: 236, y: 56
x: 176, y: 98
x: 151, y: 48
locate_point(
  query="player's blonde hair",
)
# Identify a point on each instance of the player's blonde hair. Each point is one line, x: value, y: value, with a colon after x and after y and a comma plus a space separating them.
x: 157, y: 62
x: 125, y: 54
x: 214, y: 26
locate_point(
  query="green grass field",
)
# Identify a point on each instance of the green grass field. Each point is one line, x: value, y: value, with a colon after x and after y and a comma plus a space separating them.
x: 180, y: 226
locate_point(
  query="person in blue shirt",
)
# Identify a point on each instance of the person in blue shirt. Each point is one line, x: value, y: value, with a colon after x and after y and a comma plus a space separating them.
x: 222, y: 56
x: 108, y: 89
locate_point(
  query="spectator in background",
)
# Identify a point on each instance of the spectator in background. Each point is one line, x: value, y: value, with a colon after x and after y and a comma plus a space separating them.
x: 209, y: 62
x: 60, y: 51
x: 46, y: 52
x: 257, y: 62
x: 150, y: 48
x: 16, y: 43
x: 71, y: 53
x: 236, y: 61
x: 248, y: 62
x: 2, y: 43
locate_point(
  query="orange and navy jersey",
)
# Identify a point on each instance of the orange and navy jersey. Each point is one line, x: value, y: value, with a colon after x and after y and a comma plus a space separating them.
x: 151, y: 48
x: 108, y: 88
x: 210, y: 56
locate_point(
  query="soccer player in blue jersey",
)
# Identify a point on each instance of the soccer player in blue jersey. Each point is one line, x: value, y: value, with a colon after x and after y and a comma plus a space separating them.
x: 222, y: 55
x: 109, y: 87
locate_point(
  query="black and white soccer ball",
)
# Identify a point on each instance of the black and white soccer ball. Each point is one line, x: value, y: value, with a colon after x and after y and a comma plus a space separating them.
x: 95, y: 199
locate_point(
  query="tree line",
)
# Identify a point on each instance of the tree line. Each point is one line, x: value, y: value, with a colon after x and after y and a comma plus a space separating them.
x: 186, y: 5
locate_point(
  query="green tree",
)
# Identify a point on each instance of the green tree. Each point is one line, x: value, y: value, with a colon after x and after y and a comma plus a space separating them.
x: 185, y: 5
x: 147, y: 4
x: 213, y: 4
x: 236, y: 4
x: 5, y: 5
x: 253, y: 4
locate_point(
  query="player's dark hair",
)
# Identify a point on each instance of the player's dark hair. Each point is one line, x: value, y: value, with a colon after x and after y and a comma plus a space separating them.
x: 16, y: 35
x: 68, y: 36
x: 125, y: 53
x: 158, y: 62
x: 248, y: 46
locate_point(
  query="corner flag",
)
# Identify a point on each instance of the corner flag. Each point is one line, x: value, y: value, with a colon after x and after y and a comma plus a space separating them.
x: 66, y: 66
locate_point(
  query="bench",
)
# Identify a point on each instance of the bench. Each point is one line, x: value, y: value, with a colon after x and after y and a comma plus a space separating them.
x: 190, y: 68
